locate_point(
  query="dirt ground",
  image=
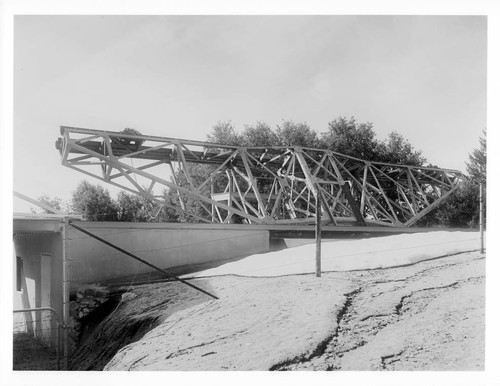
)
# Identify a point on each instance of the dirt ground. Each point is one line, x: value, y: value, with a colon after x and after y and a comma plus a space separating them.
x: 139, y: 310
x: 426, y: 316
x: 31, y: 354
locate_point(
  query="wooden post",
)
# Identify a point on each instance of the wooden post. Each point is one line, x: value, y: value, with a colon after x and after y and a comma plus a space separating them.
x: 66, y: 287
x: 481, y: 218
x: 318, y: 235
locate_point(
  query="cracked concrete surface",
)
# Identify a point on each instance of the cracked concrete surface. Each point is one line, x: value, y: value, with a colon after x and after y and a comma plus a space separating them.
x: 428, y: 316
x: 256, y: 323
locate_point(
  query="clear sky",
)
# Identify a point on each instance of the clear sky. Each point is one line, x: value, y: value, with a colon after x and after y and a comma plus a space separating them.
x: 176, y: 76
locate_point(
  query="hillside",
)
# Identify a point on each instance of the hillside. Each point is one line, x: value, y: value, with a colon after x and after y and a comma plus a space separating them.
x: 418, y: 311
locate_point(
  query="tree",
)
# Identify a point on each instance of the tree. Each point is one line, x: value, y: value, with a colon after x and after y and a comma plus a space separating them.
x: 476, y: 167
x: 55, y: 202
x: 259, y: 135
x: 94, y: 203
x: 224, y: 134
x: 462, y: 208
x: 296, y: 134
x: 167, y: 214
x: 130, y: 207
x: 198, y: 174
x: 397, y: 150
x: 359, y: 140
x: 133, y: 208
x: 352, y: 139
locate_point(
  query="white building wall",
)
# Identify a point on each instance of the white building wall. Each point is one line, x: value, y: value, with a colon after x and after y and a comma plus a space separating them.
x: 164, y: 245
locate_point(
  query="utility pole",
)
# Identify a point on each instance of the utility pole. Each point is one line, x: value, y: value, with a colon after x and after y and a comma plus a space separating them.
x: 318, y: 235
x: 481, y: 217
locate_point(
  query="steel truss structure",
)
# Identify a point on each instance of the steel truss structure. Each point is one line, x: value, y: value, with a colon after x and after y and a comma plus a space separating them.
x: 257, y: 185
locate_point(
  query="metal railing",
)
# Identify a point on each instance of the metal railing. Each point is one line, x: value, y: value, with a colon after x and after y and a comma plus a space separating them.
x: 37, y: 339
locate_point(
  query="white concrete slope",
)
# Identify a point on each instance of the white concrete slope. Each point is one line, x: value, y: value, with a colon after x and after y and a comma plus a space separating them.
x: 346, y: 255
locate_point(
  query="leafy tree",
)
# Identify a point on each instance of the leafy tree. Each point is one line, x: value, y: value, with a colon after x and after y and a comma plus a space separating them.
x: 358, y: 140
x: 166, y: 214
x: 287, y: 134
x: 198, y: 174
x: 296, y: 134
x: 130, y: 207
x: 94, y: 203
x: 55, y: 202
x: 134, y: 208
x: 259, y: 135
x: 476, y: 167
x: 224, y: 133
x: 352, y: 139
x: 462, y: 208
x: 397, y: 150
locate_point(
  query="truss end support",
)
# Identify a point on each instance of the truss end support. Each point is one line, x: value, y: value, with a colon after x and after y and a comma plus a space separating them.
x: 59, y: 144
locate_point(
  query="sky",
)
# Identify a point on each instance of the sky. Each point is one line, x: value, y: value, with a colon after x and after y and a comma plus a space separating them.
x: 177, y: 76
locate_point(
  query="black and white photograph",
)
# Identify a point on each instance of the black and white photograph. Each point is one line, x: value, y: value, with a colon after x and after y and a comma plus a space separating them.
x: 206, y: 192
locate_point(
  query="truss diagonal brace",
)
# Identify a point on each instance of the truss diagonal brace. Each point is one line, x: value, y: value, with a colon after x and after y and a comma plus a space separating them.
x: 300, y: 172
x: 353, y: 204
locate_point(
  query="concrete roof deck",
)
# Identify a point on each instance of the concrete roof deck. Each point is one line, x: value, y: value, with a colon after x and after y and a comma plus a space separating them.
x: 52, y: 223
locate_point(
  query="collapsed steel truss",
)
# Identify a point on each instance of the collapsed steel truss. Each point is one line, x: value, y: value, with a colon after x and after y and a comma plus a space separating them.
x: 277, y: 185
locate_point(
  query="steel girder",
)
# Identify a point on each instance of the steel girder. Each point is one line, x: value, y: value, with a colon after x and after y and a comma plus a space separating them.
x: 277, y: 185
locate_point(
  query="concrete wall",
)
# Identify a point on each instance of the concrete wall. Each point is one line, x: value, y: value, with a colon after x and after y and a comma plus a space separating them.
x: 165, y: 245
x: 41, y: 282
x: 39, y: 244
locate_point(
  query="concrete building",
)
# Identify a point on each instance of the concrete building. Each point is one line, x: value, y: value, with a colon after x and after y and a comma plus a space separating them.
x: 51, y: 258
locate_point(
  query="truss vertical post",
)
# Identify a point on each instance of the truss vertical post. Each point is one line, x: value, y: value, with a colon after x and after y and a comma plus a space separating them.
x: 481, y: 217
x: 321, y: 173
x: 66, y: 287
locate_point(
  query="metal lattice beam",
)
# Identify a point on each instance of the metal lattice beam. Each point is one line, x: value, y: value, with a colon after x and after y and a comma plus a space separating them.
x: 257, y: 185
